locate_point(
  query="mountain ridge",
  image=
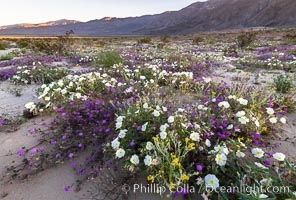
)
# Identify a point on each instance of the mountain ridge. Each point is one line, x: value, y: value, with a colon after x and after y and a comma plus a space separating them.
x: 211, y: 15
x: 34, y: 25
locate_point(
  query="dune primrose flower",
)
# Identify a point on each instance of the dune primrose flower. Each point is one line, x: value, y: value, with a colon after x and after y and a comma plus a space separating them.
x: 156, y: 113
x: 273, y: 120
x: 211, y: 181
x: 135, y: 160
x: 270, y: 111
x: 194, y: 136
x: 279, y: 156
x: 163, y: 135
x: 221, y: 159
x: 257, y: 152
x: 171, y: 119
x: 148, y: 160
x: 115, y: 143
x: 149, y: 146
x: 120, y: 153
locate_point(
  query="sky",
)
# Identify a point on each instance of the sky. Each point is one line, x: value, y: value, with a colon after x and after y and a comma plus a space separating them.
x: 36, y: 11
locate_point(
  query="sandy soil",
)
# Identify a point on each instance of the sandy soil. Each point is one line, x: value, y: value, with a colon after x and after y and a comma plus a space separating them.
x: 6, y: 51
x: 10, y: 104
x: 229, y: 73
x: 285, y: 139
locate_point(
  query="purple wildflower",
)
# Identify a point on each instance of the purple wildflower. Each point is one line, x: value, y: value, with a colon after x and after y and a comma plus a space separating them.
x: 267, y: 162
x: 73, y: 164
x: 34, y: 150
x: 32, y: 130
x: 66, y: 189
x: 20, y: 152
x: 132, y: 143
x: 71, y: 155
x: 199, y: 167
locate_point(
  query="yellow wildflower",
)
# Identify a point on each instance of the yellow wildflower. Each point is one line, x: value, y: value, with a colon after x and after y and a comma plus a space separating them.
x: 191, y: 146
x: 196, y: 173
x: 172, y: 186
x: 184, y: 177
x: 187, y: 139
x: 155, y: 138
x: 176, y: 162
x: 150, y: 178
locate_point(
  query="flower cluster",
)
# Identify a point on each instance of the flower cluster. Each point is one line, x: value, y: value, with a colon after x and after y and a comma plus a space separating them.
x: 74, y: 87
x: 37, y: 74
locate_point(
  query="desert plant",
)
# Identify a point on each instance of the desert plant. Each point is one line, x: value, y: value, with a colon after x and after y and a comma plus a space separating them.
x: 109, y: 58
x: 160, y: 45
x: 100, y: 43
x: 59, y: 45
x: 23, y: 43
x: 283, y: 83
x: 6, y: 57
x: 41, y: 46
x: 197, y: 40
x: 291, y: 35
x: 38, y: 74
x: 145, y: 40
x: 165, y: 39
x: 245, y: 39
x: 230, y: 51
x: 3, y: 45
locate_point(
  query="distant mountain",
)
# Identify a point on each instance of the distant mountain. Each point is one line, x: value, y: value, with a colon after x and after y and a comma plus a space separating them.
x: 61, y: 22
x: 200, y: 16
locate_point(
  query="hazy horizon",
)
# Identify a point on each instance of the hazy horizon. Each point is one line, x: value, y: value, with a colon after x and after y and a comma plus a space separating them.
x: 36, y: 11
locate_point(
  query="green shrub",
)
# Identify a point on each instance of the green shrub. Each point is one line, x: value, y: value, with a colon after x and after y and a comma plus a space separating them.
x: 3, y: 45
x: 109, y: 58
x: 197, y: 40
x: 59, y: 46
x: 165, y: 39
x: 245, y: 39
x: 230, y: 51
x: 291, y: 35
x: 6, y: 57
x: 23, y: 43
x: 283, y: 83
x: 146, y: 40
x: 160, y: 45
x: 290, y: 38
x: 43, y: 46
x: 100, y: 43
